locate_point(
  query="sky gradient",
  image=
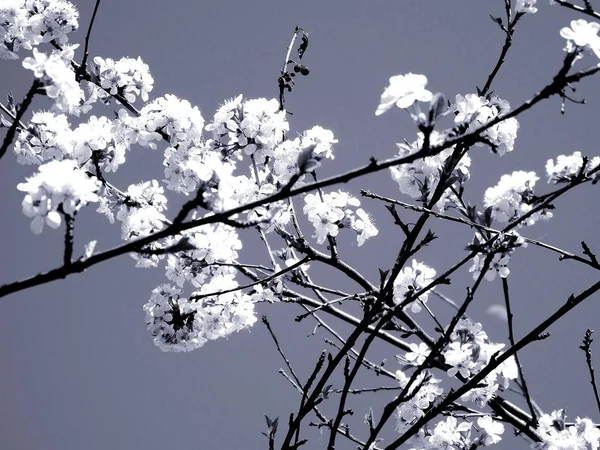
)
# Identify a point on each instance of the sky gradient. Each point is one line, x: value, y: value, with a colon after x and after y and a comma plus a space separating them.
x: 78, y: 370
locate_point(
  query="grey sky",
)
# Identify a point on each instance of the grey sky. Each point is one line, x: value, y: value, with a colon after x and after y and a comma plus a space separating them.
x: 78, y: 370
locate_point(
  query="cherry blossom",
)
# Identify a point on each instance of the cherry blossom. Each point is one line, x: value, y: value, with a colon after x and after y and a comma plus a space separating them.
x: 403, y: 91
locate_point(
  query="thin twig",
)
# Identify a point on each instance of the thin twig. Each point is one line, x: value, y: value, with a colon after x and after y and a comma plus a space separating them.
x: 280, y: 350
x: 564, y: 254
x: 10, y: 134
x: 246, y: 286
x: 587, y: 348
x: 511, y: 338
x: 83, y: 67
x: 588, y: 10
x: 69, y: 227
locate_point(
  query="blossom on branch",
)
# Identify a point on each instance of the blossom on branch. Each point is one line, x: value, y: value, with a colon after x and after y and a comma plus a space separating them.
x: 512, y: 197
x: 58, y: 187
x: 404, y: 91
x: 411, y: 280
x: 58, y: 78
x: 27, y: 23
x: 566, y: 168
x: 419, y: 179
x: 582, y: 34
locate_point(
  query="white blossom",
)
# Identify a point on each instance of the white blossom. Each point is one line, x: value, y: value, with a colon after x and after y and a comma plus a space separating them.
x: 412, y: 279
x: 403, y: 91
x: 58, y: 187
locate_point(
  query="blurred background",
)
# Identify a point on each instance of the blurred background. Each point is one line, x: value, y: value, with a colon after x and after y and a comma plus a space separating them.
x: 78, y: 370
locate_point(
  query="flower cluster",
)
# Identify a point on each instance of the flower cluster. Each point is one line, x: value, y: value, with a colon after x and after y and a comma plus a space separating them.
x: 470, y: 351
x: 566, y: 168
x: 512, y: 197
x: 176, y: 119
x: 58, y: 187
x: 58, y: 78
x: 212, y: 245
x: 450, y: 433
x: 141, y: 210
x: 476, y: 112
x: 583, y: 36
x: 128, y: 77
x: 330, y: 212
x: 197, y: 167
x: 422, y: 393
x: 180, y: 324
x: 301, y: 155
x: 255, y: 126
x: 411, y: 280
x: 419, y: 179
x: 502, y: 249
x: 27, y: 23
x: 557, y: 435
x: 96, y: 145
x: 48, y: 137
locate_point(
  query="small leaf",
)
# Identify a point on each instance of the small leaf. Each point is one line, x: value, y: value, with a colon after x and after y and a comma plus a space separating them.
x: 487, y: 216
x: 436, y: 106
x: 89, y: 249
x: 497, y: 20
x: 303, y: 44
x: 11, y: 103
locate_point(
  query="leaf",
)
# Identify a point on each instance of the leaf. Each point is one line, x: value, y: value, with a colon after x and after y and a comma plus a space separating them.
x: 303, y: 44
x: 487, y: 216
x: 11, y: 103
x: 437, y: 107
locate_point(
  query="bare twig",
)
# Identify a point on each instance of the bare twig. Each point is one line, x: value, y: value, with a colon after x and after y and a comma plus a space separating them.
x: 587, y: 348
x: 511, y: 338
x: 83, y: 67
x: 587, y: 10
x: 10, y: 134
x: 69, y: 226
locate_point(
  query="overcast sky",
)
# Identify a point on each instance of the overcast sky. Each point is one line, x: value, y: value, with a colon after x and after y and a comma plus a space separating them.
x: 78, y: 370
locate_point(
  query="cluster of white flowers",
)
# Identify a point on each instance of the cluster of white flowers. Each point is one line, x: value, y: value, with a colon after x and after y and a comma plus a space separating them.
x: 410, y: 280
x: 469, y: 352
x: 58, y: 78
x: 511, y: 198
x: 403, y: 91
x: 188, y: 169
x: 255, y: 126
x: 582, y: 35
x: 449, y: 434
x: 179, y: 324
x: 48, y: 137
x: 57, y: 187
x: 419, y: 179
x: 557, y: 435
x: 301, y: 155
x: 128, y: 77
x: 330, y: 212
x: 478, y: 111
x: 27, y: 23
x: 97, y: 145
x: 141, y: 210
x: 566, y: 168
x: 176, y: 119
x: 212, y: 244
x: 422, y: 393
x: 502, y: 249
